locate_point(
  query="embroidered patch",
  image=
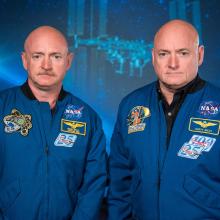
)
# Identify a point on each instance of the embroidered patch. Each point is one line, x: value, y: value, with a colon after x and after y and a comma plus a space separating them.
x: 209, y: 108
x: 206, y: 126
x: 17, y: 122
x: 190, y: 151
x: 65, y: 140
x: 203, y: 141
x: 73, y: 112
x: 197, y: 144
x: 136, y: 118
x: 73, y: 127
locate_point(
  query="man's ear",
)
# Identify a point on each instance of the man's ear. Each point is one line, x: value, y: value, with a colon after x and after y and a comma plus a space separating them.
x: 152, y: 55
x: 24, y: 60
x: 200, y: 54
x: 70, y: 57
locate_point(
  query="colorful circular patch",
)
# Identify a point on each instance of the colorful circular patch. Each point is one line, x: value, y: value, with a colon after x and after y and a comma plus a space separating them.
x: 209, y: 108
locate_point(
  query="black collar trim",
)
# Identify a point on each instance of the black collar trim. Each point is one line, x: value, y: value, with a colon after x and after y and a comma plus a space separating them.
x: 29, y: 94
x: 193, y: 86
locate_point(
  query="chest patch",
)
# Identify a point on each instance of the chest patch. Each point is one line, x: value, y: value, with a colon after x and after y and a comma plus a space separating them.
x: 206, y: 126
x: 135, y: 119
x: 65, y: 140
x: 209, y: 108
x: 17, y: 122
x: 73, y: 112
x: 73, y: 127
x: 196, y: 145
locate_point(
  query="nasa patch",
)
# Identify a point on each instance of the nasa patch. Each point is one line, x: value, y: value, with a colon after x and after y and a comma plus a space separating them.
x: 209, y: 108
x: 73, y: 112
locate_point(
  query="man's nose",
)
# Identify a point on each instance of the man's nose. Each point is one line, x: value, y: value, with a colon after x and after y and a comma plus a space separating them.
x: 46, y: 63
x: 173, y: 62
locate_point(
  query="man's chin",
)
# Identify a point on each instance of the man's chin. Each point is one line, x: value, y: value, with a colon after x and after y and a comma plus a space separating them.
x: 174, y: 85
x: 44, y: 86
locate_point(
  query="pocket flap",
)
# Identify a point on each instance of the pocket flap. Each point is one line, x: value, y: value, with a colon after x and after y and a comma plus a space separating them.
x: 201, y: 193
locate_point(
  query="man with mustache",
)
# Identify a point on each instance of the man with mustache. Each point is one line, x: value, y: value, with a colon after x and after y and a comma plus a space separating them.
x: 52, y: 160
x: 166, y: 166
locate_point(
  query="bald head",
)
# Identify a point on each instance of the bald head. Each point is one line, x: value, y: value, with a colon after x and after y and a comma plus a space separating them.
x: 176, y: 55
x: 47, y: 33
x: 178, y: 28
x: 46, y: 59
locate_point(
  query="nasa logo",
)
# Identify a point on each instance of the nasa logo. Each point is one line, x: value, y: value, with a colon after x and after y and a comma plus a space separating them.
x: 73, y: 112
x: 209, y: 108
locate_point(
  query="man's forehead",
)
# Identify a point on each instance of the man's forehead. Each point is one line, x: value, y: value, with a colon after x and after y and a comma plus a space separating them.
x: 46, y: 37
x: 38, y: 46
x: 176, y: 33
x: 172, y: 41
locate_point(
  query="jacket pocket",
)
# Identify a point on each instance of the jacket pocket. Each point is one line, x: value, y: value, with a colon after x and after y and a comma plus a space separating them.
x: 9, y: 194
x: 202, y: 194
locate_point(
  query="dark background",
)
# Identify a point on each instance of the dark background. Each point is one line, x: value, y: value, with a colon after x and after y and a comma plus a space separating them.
x: 111, y: 39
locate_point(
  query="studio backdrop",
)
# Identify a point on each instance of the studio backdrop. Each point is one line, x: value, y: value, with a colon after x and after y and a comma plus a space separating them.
x: 111, y: 41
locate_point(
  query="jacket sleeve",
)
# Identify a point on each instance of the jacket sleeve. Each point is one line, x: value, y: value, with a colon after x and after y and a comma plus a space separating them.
x: 91, y: 193
x: 119, y: 196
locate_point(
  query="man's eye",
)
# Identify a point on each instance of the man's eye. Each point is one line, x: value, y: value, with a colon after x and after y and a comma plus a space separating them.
x: 184, y: 53
x: 57, y: 57
x: 162, y: 54
x: 35, y: 57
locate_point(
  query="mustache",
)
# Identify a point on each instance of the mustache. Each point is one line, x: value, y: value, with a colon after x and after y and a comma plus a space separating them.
x: 46, y: 73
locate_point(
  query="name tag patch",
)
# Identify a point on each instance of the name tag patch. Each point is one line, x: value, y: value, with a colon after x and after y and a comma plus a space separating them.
x: 65, y: 140
x: 196, y: 145
x: 206, y: 126
x: 73, y: 127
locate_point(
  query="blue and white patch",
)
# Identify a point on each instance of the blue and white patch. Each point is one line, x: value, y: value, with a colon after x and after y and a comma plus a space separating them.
x: 73, y: 112
x: 203, y: 141
x: 196, y: 145
x: 65, y: 140
x: 190, y: 151
x: 209, y: 108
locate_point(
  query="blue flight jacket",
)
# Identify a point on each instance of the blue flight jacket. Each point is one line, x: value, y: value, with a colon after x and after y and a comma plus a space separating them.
x: 151, y: 181
x: 52, y: 165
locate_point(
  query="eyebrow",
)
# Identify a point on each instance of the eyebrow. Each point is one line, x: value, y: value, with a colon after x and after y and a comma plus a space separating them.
x: 182, y: 49
x: 178, y: 50
x: 53, y: 53
x: 163, y: 50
